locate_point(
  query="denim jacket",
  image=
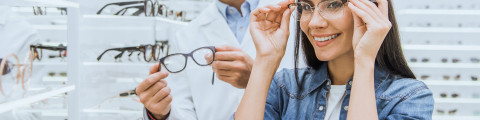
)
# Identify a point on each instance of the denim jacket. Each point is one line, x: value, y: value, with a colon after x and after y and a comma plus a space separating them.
x: 397, y: 98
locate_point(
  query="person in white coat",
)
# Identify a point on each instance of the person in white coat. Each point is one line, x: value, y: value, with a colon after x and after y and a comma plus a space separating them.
x: 190, y: 94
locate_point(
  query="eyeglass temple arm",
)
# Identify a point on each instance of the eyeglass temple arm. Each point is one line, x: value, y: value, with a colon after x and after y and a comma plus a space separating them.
x: 118, y: 4
x: 100, y: 57
x: 122, y: 11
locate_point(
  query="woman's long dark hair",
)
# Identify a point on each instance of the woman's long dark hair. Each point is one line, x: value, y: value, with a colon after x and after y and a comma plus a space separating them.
x: 390, y: 56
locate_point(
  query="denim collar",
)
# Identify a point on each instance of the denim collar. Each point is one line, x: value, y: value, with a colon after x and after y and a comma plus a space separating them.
x: 320, y: 76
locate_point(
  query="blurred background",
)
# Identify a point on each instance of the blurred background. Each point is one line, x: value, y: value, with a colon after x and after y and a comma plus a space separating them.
x: 104, y: 62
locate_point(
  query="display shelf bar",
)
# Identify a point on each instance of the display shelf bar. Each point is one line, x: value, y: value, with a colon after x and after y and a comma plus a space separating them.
x: 457, y: 100
x: 451, y: 83
x: 175, y: 22
x: 35, y: 98
x: 49, y: 64
x: 447, y: 117
x: 437, y: 12
x: 442, y: 47
x: 43, y: 3
x: 445, y: 65
x: 47, y: 112
x: 112, y: 111
x: 439, y: 30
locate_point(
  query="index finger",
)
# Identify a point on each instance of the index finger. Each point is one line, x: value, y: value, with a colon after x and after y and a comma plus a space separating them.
x: 155, y: 68
x: 383, y: 6
x: 151, y: 80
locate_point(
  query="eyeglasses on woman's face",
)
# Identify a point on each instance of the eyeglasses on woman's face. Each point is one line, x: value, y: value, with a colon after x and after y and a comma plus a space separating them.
x: 328, y: 9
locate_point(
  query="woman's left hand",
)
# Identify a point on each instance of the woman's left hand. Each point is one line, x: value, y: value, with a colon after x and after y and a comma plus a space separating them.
x: 371, y: 26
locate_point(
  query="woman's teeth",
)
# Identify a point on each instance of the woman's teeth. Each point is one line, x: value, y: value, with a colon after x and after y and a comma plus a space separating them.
x: 321, y: 39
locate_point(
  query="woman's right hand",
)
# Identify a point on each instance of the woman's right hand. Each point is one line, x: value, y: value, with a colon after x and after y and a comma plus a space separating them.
x: 269, y: 27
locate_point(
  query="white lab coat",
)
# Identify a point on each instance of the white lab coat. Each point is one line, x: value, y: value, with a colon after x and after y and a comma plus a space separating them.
x: 194, y: 96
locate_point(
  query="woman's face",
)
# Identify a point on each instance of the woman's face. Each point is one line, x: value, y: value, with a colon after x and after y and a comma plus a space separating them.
x: 330, y: 38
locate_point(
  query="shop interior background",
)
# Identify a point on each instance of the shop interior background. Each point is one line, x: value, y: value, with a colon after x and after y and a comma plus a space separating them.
x: 440, y: 39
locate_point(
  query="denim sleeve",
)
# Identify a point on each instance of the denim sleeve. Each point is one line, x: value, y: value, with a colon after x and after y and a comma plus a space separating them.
x: 272, y: 107
x: 416, y: 106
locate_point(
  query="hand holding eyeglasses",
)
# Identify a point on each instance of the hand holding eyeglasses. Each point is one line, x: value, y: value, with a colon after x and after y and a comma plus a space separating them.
x: 154, y: 93
x: 232, y: 65
x: 371, y: 26
x: 270, y: 29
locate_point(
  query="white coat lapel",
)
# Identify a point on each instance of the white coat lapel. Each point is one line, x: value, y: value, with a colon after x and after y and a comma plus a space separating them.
x: 216, y: 29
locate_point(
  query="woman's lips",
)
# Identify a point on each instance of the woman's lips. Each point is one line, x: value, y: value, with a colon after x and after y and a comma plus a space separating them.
x: 327, y: 42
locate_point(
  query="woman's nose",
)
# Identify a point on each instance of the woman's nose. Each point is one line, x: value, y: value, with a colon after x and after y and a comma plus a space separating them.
x: 317, y: 21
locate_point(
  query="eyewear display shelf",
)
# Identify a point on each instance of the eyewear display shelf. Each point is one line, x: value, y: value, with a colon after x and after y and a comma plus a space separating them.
x: 441, y: 46
x: 105, y: 76
x: 40, y: 98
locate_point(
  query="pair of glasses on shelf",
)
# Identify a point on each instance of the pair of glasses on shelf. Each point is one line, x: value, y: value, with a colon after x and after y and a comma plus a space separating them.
x: 13, y: 73
x: 39, y: 10
x: 453, y: 95
x: 177, y: 62
x: 449, y: 77
x: 43, y: 10
x: 149, y: 52
x: 445, y: 60
x: 147, y: 7
x: 450, y: 112
x: 37, y: 51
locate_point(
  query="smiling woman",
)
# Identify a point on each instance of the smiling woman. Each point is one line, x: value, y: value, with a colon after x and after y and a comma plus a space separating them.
x: 356, y: 68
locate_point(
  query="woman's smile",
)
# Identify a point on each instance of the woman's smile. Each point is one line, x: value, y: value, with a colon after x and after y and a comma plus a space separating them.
x: 322, y: 40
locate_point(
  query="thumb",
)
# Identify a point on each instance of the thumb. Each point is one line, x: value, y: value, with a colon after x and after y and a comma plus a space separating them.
x: 155, y: 68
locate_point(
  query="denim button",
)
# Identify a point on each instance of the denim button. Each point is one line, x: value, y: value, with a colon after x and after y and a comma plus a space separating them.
x: 345, y: 108
x: 350, y: 83
x: 320, y: 108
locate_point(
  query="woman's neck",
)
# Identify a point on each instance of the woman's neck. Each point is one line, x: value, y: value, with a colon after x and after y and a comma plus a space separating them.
x: 341, y: 69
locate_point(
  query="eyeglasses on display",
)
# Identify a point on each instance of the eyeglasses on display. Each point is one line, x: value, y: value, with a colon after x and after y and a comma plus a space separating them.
x: 14, y: 73
x: 37, y: 51
x: 150, y: 52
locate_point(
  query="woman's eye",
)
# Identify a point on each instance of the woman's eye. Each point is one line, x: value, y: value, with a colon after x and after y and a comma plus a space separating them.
x: 334, y: 4
x: 307, y: 7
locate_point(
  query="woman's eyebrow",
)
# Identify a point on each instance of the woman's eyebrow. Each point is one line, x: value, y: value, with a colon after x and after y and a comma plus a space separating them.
x: 307, y: 1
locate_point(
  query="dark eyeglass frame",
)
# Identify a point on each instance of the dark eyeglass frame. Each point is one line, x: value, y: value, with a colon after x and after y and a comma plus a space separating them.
x: 38, y: 10
x: 140, y: 10
x: 157, y: 9
x: 118, y: 4
x: 141, y: 49
x: 34, y: 49
x: 186, y: 55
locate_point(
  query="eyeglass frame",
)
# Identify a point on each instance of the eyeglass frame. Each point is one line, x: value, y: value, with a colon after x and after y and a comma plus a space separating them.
x: 33, y: 49
x: 212, y: 48
x: 20, y: 71
x: 161, y: 10
x: 141, y: 49
x: 316, y: 6
x: 118, y: 4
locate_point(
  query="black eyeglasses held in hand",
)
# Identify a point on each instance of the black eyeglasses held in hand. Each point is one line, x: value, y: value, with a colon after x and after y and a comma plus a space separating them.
x: 177, y: 62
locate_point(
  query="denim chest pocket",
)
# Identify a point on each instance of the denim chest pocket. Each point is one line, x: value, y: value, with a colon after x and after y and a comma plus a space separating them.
x: 385, y: 105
